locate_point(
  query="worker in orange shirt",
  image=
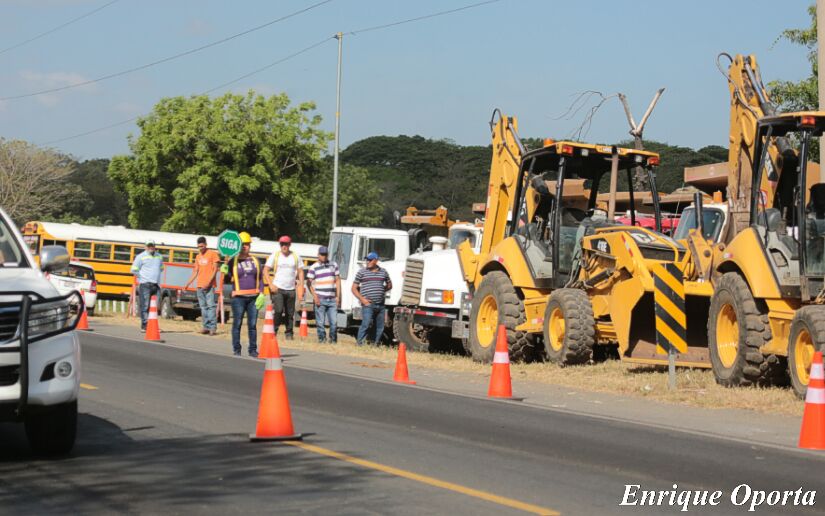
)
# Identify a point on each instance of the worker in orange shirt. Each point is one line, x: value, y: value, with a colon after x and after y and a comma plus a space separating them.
x: 206, y: 267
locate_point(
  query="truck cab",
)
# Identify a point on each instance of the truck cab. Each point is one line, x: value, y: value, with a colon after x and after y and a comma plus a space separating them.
x: 39, y: 351
x: 348, y: 246
x: 434, y: 292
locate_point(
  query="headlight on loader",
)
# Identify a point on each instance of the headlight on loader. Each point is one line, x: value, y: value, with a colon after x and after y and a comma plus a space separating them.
x: 444, y: 297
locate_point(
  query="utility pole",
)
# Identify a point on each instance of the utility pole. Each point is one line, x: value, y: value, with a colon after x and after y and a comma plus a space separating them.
x: 340, y: 38
x: 820, y: 59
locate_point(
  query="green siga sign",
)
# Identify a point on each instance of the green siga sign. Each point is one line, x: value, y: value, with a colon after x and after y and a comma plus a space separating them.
x: 229, y: 243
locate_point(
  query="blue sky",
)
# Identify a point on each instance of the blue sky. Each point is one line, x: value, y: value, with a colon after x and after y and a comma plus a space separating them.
x: 439, y: 78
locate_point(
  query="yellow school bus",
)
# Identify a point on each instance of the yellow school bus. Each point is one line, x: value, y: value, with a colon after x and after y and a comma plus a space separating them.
x: 110, y: 250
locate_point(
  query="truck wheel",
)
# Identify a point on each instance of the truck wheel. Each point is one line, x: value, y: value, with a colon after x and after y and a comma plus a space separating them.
x: 167, y: 311
x: 413, y: 335
x: 737, y: 329
x: 569, y: 327
x: 496, y: 302
x: 52, y: 431
x: 807, y: 336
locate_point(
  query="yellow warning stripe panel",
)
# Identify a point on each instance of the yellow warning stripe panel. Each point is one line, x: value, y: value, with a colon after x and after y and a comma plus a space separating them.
x: 678, y: 314
x: 672, y: 337
x: 674, y: 283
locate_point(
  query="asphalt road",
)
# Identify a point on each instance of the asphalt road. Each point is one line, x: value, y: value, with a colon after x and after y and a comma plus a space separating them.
x: 164, y: 430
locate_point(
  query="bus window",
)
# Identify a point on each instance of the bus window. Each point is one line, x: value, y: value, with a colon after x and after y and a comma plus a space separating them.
x: 179, y: 256
x: 54, y: 242
x: 82, y: 249
x: 103, y: 251
x: 123, y: 253
x: 164, y: 253
x: 32, y: 241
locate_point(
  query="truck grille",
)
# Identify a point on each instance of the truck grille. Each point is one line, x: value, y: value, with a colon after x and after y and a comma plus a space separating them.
x: 9, y: 319
x: 9, y: 375
x: 413, y: 274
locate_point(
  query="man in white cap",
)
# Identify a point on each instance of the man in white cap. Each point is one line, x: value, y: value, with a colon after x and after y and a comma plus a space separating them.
x: 147, y: 268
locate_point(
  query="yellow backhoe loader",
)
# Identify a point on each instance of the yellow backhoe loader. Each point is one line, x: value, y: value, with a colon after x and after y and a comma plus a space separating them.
x: 541, y: 206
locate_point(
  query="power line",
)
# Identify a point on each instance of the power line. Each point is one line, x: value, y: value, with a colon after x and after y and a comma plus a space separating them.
x: 167, y: 59
x: 283, y: 59
x: 419, y: 18
x: 55, y: 29
x: 223, y: 85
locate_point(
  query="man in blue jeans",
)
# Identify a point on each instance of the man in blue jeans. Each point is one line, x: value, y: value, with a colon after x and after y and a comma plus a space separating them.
x: 147, y: 268
x: 325, y: 285
x: 370, y: 286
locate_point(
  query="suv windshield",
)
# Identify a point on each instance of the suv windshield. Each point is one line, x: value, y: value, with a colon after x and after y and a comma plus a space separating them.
x: 340, y: 248
x: 10, y: 253
x: 459, y: 235
x: 77, y: 272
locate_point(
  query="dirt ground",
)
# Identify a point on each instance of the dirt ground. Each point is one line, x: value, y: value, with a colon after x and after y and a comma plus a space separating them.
x: 696, y: 387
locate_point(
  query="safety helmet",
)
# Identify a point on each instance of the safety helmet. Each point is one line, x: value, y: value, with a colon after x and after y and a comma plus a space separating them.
x: 285, y: 240
x: 245, y: 237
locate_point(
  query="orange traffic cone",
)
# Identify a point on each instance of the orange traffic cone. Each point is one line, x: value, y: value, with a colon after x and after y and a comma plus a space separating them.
x: 274, y: 416
x: 401, y: 373
x: 303, y: 331
x: 152, y: 327
x: 500, y: 386
x: 812, y: 436
x: 269, y: 342
x: 83, y: 323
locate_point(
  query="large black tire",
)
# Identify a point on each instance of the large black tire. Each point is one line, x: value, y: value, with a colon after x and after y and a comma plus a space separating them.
x: 569, y: 327
x: 52, y: 430
x: 410, y: 334
x: 166, y: 310
x: 807, y: 336
x: 737, y: 329
x: 496, y: 298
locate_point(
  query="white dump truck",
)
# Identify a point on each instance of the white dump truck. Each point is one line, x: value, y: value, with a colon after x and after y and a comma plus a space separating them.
x: 39, y: 351
x: 347, y: 247
x: 434, y: 292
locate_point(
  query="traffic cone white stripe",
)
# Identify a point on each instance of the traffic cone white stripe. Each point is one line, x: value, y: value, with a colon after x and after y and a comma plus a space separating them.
x: 274, y: 364
x: 269, y: 328
x: 501, y: 358
x: 815, y: 395
x: 817, y: 372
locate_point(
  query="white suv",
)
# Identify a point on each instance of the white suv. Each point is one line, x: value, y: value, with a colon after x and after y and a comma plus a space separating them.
x: 78, y: 276
x: 39, y: 351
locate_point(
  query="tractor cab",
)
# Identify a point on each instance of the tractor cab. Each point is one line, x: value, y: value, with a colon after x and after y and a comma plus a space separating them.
x: 559, y: 201
x: 787, y: 202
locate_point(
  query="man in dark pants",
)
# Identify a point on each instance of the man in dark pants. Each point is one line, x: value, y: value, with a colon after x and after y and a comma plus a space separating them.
x: 147, y: 268
x: 286, y: 276
x: 370, y: 286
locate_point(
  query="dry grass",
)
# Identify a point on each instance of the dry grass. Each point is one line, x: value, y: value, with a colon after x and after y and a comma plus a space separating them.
x: 697, y: 387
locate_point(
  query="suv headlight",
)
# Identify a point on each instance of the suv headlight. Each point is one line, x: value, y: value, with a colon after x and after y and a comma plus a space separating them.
x: 49, y: 317
x: 445, y: 297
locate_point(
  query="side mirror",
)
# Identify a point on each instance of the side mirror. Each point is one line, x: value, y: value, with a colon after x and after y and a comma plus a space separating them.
x: 54, y: 258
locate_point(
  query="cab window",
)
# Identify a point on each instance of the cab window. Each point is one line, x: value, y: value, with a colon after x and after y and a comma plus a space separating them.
x: 385, y: 247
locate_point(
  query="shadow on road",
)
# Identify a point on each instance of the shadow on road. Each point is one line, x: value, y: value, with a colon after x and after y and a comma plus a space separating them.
x: 113, y: 471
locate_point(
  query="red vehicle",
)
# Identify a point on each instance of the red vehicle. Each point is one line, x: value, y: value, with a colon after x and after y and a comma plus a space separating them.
x: 669, y: 222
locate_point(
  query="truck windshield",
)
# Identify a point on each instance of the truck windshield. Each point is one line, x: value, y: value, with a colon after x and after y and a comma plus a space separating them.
x: 10, y: 253
x: 712, y: 221
x: 459, y: 235
x: 340, y: 249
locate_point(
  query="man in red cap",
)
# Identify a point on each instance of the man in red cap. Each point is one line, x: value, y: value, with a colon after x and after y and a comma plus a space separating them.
x: 284, y: 274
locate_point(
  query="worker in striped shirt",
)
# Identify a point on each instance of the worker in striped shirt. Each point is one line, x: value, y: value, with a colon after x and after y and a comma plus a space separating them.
x: 370, y: 286
x: 325, y: 285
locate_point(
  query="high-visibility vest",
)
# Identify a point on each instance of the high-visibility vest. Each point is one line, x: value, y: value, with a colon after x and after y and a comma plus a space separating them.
x: 257, y: 289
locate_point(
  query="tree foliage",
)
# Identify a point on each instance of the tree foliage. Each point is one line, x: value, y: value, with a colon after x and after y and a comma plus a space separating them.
x: 802, y: 95
x: 98, y: 203
x: 359, y: 201
x: 203, y: 164
x: 34, y: 181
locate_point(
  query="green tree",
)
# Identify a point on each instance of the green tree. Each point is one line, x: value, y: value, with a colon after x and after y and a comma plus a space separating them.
x: 100, y: 203
x: 202, y: 164
x: 34, y: 181
x: 359, y: 201
x: 802, y: 95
